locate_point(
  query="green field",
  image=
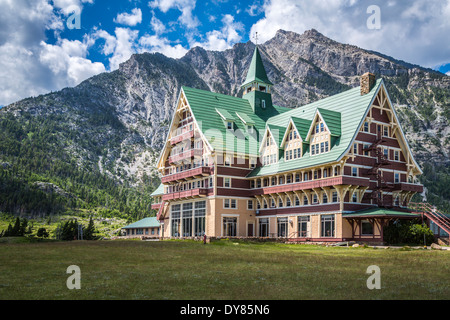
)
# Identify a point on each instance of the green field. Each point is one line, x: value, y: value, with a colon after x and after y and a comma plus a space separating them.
x: 219, y: 270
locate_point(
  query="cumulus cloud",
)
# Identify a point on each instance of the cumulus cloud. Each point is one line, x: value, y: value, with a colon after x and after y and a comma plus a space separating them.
x: 130, y: 19
x: 410, y: 30
x: 186, y: 8
x: 222, y: 39
x: 154, y: 43
x: 30, y: 66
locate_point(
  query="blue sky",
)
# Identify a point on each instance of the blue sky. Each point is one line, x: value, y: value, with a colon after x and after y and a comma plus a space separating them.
x: 40, y: 53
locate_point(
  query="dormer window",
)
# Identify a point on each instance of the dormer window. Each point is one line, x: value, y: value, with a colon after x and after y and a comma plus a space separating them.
x: 229, y: 125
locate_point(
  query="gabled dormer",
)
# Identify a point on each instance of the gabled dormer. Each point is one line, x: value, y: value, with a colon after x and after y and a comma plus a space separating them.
x: 324, y: 131
x: 270, y: 145
x: 294, y: 138
x: 257, y: 87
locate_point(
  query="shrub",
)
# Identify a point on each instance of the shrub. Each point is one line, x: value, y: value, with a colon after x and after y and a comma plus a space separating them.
x: 409, y: 232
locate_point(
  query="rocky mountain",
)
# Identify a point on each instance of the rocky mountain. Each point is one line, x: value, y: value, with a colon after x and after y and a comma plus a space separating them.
x: 111, y: 127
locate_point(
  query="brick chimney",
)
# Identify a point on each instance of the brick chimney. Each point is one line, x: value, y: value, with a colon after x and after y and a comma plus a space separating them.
x: 367, y: 82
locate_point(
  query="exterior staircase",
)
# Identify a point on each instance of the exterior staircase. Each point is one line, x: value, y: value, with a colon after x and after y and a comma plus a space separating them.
x: 427, y: 210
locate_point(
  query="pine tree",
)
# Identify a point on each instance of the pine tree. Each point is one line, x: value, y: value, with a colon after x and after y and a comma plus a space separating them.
x: 88, y: 233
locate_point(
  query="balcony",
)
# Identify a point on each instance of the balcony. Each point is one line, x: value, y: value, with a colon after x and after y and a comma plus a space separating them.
x: 199, y: 192
x: 185, y: 155
x: 156, y: 206
x: 321, y: 183
x: 182, y: 136
x: 411, y: 187
x: 185, y: 175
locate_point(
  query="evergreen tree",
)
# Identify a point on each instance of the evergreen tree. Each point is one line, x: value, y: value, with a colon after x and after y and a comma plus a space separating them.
x: 88, y: 233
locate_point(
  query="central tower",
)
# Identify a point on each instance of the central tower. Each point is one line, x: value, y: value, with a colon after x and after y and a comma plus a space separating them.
x: 257, y: 87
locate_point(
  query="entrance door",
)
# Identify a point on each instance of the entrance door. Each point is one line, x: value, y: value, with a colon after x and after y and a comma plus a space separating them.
x: 250, y: 230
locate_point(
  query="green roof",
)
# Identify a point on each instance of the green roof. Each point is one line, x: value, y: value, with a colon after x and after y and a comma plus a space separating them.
x: 302, y: 126
x: 351, y: 105
x: 158, y: 191
x: 332, y: 120
x: 277, y: 133
x: 144, y: 223
x: 256, y: 71
x: 225, y: 114
x: 204, y: 104
x: 379, y: 212
x: 245, y: 118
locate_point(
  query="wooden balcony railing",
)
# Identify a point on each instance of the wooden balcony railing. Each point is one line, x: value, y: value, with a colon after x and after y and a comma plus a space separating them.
x: 185, y: 155
x: 188, y: 174
x: 325, y: 182
x: 198, y: 192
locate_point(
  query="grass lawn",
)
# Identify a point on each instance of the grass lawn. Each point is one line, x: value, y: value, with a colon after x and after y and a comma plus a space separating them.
x: 219, y: 270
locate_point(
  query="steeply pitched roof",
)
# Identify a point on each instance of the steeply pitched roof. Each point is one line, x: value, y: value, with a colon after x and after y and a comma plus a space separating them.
x: 350, y: 104
x: 144, y: 223
x: 256, y: 71
x: 203, y: 105
x: 158, y: 191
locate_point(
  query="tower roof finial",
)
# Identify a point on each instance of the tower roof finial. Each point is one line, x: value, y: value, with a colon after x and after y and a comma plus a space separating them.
x: 255, y: 36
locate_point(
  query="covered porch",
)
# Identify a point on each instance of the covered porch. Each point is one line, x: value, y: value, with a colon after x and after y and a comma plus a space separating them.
x: 367, y: 225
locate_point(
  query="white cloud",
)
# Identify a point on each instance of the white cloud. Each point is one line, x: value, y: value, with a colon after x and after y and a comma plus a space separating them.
x: 448, y: 73
x: 28, y: 65
x: 67, y: 60
x: 130, y: 19
x: 413, y: 31
x: 153, y: 43
x: 224, y: 38
x: 184, y: 6
x: 121, y: 45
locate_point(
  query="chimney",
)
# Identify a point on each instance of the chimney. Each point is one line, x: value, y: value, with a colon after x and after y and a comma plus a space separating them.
x: 367, y: 82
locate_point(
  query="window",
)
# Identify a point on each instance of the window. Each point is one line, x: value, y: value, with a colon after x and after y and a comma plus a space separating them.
x: 228, y: 161
x: 227, y: 182
x: 282, y: 227
x: 385, y: 131
x: 366, y: 228
x: 322, y: 147
x: 303, y: 226
x: 355, y: 148
x: 314, y: 199
x: 262, y: 88
x: 199, y: 218
x: 326, y: 146
x: 335, y: 197
x: 252, y: 163
x: 397, y: 178
x: 229, y: 227
x: 355, y: 197
x: 297, y: 201
x: 327, y: 225
x: 175, y: 216
x: 249, y: 204
x: 354, y: 171
x: 263, y: 104
x: 396, y: 155
x: 280, y: 203
x: 297, y: 177
x: 322, y: 128
x: 187, y: 219
x: 324, y: 198
x: 250, y: 129
x: 366, y: 127
x: 229, y: 204
x: 210, y: 182
x: 264, y: 227
x: 229, y: 125
x: 305, y: 176
x: 305, y: 200
x: 317, y: 128
x: 386, y: 153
